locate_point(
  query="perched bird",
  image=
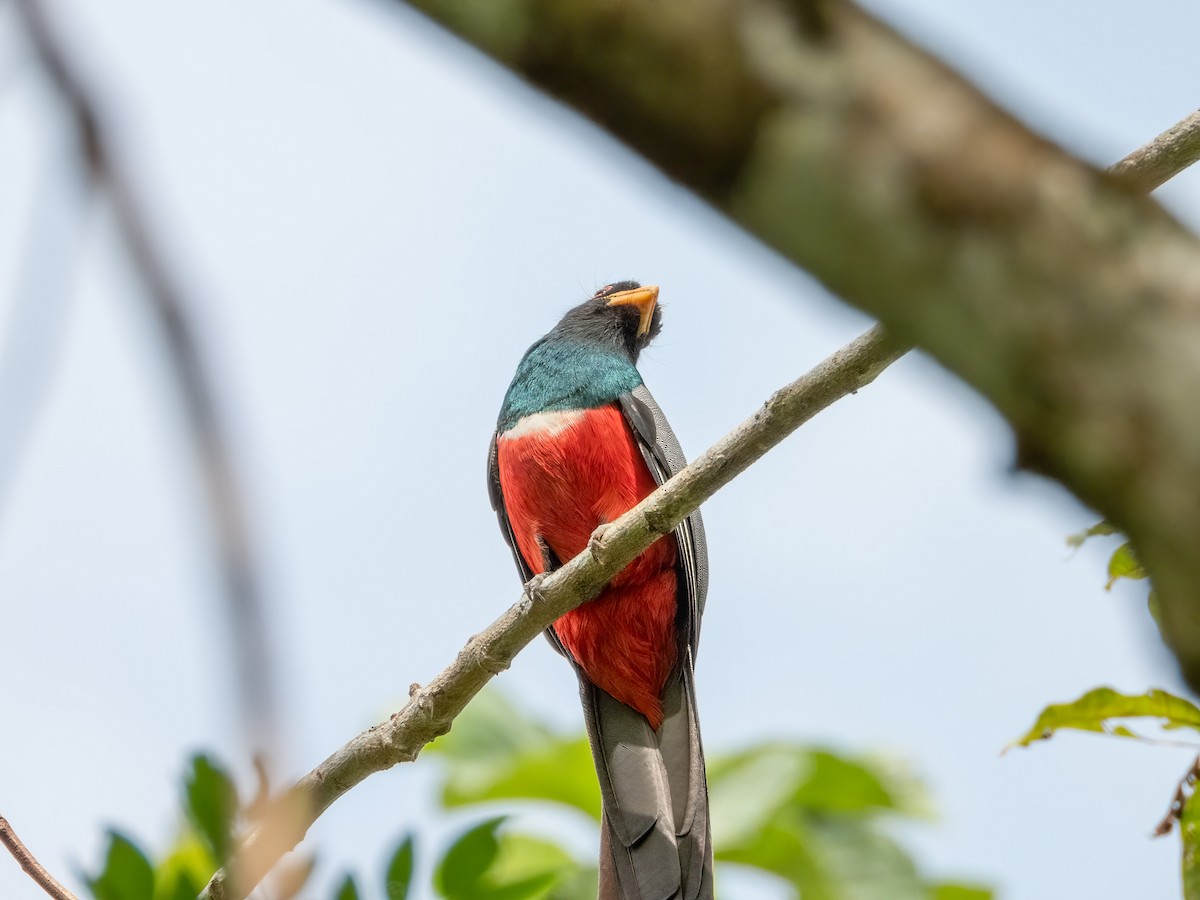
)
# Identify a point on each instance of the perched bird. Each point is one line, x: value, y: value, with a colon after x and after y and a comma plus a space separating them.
x: 580, y: 441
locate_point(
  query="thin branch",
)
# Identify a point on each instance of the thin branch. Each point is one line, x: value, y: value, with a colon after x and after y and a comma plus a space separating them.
x: 29, y: 863
x: 1164, y: 157
x: 1065, y: 299
x: 172, y: 312
x: 1183, y: 791
x: 432, y: 708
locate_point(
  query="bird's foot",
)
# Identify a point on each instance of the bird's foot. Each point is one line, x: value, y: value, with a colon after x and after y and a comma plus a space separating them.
x: 533, y: 591
x: 597, y: 539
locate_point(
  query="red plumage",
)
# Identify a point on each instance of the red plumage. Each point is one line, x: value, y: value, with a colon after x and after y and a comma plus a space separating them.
x: 560, y: 484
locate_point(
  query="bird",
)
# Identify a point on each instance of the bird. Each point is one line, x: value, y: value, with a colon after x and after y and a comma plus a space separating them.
x: 579, y: 441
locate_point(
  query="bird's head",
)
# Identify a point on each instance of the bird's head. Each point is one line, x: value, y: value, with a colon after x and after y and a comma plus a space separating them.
x: 622, y: 317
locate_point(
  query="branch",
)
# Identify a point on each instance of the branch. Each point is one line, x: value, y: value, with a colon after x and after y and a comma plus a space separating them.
x: 431, y: 709
x: 1164, y: 157
x: 1067, y: 300
x: 171, y: 310
x: 1183, y: 793
x: 32, y: 867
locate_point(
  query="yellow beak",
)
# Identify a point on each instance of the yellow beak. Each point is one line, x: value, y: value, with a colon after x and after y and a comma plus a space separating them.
x: 644, y: 298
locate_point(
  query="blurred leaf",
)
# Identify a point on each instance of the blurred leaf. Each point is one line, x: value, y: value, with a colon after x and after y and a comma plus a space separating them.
x: 495, y: 752
x: 747, y: 790
x: 181, y: 888
x: 580, y: 883
x: 1093, y: 710
x: 1152, y: 604
x: 864, y: 863
x: 533, y: 867
x: 810, y: 816
x: 751, y: 788
x: 185, y: 870
x: 783, y: 849
x: 1189, y: 832
x: 127, y: 874
x: 1100, y: 528
x: 832, y: 859
x: 837, y: 784
x: 959, y: 892
x: 461, y: 869
x: 1123, y: 564
x: 491, y: 728
x: 482, y: 865
x: 560, y: 771
x: 348, y: 890
x: 212, y: 805
x: 400, y: 871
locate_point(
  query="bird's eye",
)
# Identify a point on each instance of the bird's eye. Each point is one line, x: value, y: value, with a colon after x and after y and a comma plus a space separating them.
x: 602, y: 291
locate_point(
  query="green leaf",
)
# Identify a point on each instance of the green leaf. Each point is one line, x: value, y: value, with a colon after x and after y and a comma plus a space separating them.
x: 1076, y: 540
x: 348, y: 890
x: 482, y: 865
x: 398, y: 880
x: 531, y: 867
x: 810, y: 817
x: 181, y: 888
x: 832, y: 859
x: 127, y: 874
x: 1123, y: 564
x: 1155, y: 608
x: 212, y: 805
x: 461, y: 870
x: 959, y: 892
x: 1189, y: 831
x: 750, y: 789
x: 496, y: 752
x: 491, y: 728
x: 185, y: 870
x: 559, y: 771
x: 1095, y: 710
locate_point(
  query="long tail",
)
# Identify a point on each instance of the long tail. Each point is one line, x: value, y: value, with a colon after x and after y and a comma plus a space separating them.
x: 655, y: 840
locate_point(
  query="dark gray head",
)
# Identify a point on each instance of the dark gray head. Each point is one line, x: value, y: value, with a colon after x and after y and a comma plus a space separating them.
x: 623, y: 317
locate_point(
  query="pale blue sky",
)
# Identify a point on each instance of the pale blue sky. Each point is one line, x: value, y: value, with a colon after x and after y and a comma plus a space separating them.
x: 377, y: 225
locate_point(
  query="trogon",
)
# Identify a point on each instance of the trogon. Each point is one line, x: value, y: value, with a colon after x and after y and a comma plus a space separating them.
x: 579, y: 441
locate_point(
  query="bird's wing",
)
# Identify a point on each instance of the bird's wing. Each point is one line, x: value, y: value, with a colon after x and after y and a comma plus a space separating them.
x: 660, y: 448
x: 496, y: 496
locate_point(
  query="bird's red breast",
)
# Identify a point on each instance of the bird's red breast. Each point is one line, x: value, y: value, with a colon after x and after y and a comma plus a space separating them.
x: 562, y: 474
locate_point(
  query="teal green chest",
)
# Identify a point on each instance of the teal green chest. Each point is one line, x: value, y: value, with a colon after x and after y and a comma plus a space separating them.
x: 560, y: 375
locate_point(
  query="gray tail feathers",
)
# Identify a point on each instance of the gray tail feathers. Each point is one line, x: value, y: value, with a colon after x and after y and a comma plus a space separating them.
x: 655, y: 840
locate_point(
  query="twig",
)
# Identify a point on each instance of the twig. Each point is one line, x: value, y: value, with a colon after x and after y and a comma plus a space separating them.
x: 1164, y: 157
x: 172, y: 312
x: 432, y: 708
x: 32, y: 867
x: 1182, y: 793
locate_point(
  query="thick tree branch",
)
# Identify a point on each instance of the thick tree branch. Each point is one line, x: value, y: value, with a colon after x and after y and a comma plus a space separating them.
x: 431, y: 709
x: 1066, y: 299
x: 29, y: 863
x: 172, y: 312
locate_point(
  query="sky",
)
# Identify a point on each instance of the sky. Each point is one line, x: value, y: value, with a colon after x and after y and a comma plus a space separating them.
x: 375, y: 223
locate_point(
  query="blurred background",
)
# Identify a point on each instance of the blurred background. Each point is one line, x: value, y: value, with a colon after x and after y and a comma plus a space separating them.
x: 374, y: 223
